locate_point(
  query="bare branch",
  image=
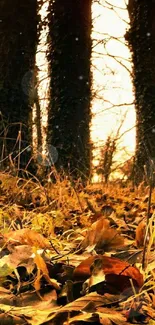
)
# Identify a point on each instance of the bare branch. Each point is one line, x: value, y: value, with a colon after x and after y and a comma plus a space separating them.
x: 113, y: 106
x: 109, y: 38
x: 116, y: 56
x: 117, y: 7
x: 118, y: 61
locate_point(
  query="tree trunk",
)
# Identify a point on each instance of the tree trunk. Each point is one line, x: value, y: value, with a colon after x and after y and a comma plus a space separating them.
x: 70, y: 59
x: 141, y: 39
x: 19, y: 36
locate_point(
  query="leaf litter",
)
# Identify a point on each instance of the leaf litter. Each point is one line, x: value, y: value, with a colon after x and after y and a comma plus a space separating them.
x: 77, y: 256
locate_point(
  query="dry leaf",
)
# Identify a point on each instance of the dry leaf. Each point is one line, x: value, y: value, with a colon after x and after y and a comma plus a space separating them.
x: 102, y: 236
x: 117, y: 272
x: 140, y: 233
x: 110, y: 317
x: 43, y: 271
x: 91, y: 312
x: 27, y: 236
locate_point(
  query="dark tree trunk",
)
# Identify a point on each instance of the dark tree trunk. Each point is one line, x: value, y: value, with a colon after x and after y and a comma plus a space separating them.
x: 19, y: 36
x: 70, y: 59
x: 141, y: 39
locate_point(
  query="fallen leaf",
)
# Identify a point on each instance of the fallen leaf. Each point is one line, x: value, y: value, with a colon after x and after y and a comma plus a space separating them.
x: 43, y: 271
x: 140, y: 233
x: 110, y: 317
x: 117, y: 272
x: 101, y: 236
x: 27, y: 236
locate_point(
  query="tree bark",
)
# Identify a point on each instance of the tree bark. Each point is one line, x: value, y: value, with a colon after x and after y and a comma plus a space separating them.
x: 141, y: 39
x: 19, y: 36
x: 70, y: 60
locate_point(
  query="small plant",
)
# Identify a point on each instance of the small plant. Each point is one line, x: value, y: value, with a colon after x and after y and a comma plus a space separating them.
x: 127, y: 169
x: 107, y: 158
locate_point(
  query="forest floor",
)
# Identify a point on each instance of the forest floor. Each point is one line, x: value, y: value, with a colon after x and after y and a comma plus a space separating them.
x: 74, y: 255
